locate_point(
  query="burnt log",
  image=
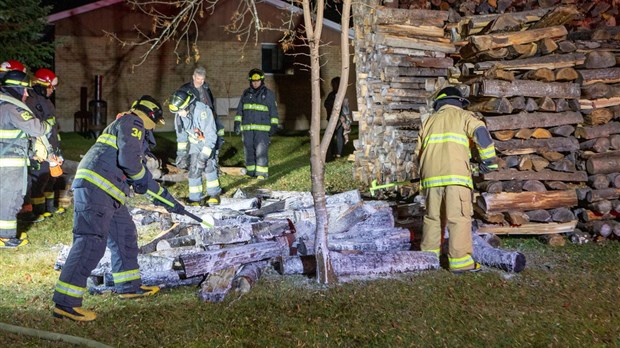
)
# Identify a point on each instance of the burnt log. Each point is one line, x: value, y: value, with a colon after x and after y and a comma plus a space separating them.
x: 485, y: 254
x: 248, y: 275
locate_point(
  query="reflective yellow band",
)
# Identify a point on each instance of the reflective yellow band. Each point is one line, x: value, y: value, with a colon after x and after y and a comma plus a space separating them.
x: 262, y: 169
x: 182, y: 146
x: 487, y: 153
x: 102, y: 183
x: 206, y: 151
x: 255, y: 127
x: 238, y: 118
x: 48, y: 195
x: 126, y: 276
x: 195, y: 189
x: 13, y: 162
x: 250, y: 168
x: 445, y: 138
x: 461, y: 262
x: 213, y: 183
x: 12, y: 134
x: 108, y: 139
x: 140, y: 174
x: 257, y: 107
x: 38, y: 200
x: 275, y: 120
x: 51, y: 121
x: 220, y: 132
x: 70, y: 290
x: 8, y: 224
x: 447, y: 180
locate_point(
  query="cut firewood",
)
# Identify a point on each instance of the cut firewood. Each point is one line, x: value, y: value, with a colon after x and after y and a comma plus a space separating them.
x: 504, y: 134
x: 490, y: 186
x: 248, y: 275
x: 516, y: 146
x: 534, y: 186
x: 563, y: 165
x: 601, y: 208
x: 592, y: 76
x: 598, y: 131
x: 600, y: 59
x: 557, y: 185
x: 538, y: 215
x: 492, y: 218
x: 552, y: 156
x: 598, y: 181
x: 499, y: 88
x: 546, y: 104
x: 566, y: 75
x: 564, y: 130
x: 216, y: 285
x: 552, y: 61
x: 547, y: 46
x: 542, y: 74
x: 530, y: 228
x: 484, y: 253
x: 598, y: 145
x: 487, y: 42
x: 525, y: 163
x: 562, y: 105
x: 524, y: 133
x: 598, y: 117
x: 517, y: 218
x: 603, y: 194
x: 538, y: 120
x: 562, y: 215
x: 499, y: 74
x: 491, y: 105
x: 503, y: 202
x: 604, y: 163
x: 541, y: 133
x: 614, y: 179
x: 512, y: 186
x: 511, y: 174
x: 518, y: 103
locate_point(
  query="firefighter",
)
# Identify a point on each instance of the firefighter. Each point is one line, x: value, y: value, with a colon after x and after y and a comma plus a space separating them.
x: 101, y: 185
x: 17, y: 123
x: 201, y: 131
x: 257, y: 118
x: 10, y: 65
x: 343, y: 127
x: 199, y: 88
x: 41, y: 180
x: 443, y: 153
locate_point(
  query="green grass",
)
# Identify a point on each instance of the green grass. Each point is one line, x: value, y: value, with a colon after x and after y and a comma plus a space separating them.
x: 566, y: 297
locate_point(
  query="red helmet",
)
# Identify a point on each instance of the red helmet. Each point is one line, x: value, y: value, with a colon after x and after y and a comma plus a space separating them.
x: 45, y: 77
x: 12, y: 65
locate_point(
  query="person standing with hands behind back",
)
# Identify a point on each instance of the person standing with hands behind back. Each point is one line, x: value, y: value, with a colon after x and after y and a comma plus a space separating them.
x: 343, y: 127
x: 443, y: 154
x: 257, y: 120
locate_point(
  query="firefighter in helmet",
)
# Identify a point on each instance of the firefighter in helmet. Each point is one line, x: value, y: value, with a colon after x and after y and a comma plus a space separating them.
x: 43, y: 175
x: 443, y: 152
x: 199, y: 129
x: 17, y: 124
x: 101, y: 185
x: 257, y: 120
x: 9, y: 65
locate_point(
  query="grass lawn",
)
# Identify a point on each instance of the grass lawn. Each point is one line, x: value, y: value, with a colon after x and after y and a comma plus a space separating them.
x: 566, y: 297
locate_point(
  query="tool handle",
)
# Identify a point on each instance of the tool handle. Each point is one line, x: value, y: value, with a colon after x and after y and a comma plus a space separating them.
x: 184, y: 212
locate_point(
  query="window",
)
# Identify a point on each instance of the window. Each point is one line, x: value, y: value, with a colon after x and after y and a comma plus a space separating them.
x: 274, y: 61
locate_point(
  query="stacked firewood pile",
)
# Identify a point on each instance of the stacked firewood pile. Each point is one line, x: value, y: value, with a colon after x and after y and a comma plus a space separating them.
x: 599, y: 135
x: 547, y: 96
x: 402, y: 58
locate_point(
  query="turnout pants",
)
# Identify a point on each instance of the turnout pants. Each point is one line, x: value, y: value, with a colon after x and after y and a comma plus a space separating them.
x: 451, y: 207
x: 199, y: 165
x: 98, y: 220
x: 12, y: 191
x: 338, y: 141
x: 41, y: 186
x: 256, y: 148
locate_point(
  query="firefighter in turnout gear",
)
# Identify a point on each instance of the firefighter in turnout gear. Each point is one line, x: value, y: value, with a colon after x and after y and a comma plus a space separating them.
x: 43, y: 175
x: 101, y: 185
x: 199, y: 88
x: 17, y: 124
x: 198, y: 122
x: 443, y: 151
x: 257, y: 120
x: 10, y: 65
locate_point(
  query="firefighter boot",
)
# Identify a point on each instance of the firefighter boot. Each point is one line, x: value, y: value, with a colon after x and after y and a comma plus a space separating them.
x: 475, y: 268
x: 213, y: 201
x: 74, y: 313
x: 143, y: 291
x: 10, y: 243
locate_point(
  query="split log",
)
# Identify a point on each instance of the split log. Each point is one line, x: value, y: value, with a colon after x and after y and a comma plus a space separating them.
x: 598, y: 181
x: 510, y: 161
x: 557, y: 16
x: 546, y: 104
x: 545, y: 175
x: 614, y: 179
x: 524, y: 133
x: 602, y: 227
x: 586, y: 104
x: 566, y: 75
x: 595, y: 91
x: 614, y: 141
x: 598, y: 145
x: 592, y: 76
x: 604, y: 163
x: 385, y: 15
x: 491, y: 105
x: 484, y: 253
x: 567, y: 46
x: 498, y: 40
x: 552, y: 61
x: 490, y: 186
x: 534, y: 186
x: 530, y: 228
x: 586, y: 215
x: 248, y: 276
x: 542, y: 74
x: 539, y: 163
x: 557, y: 185
x: 601, y: 207
x: 547, y: 46
x: 565, y: 130
x: 504, y: 134
x: 536, y: 119
x: 235, y: 171
x: 600, y: 59
x: 493, y: 218
x: 502, y: 202
x: 562, y: 105
x: 497, y: 74
x: 562, y: 215
x: 531, y: 105
x: 541, y: 133
x: 499, y: 88
x: 598, y: 131
x: 368, y: 263
x: 525, y: 163
x: 512, y: 186
x: 539, y: 215
x: 598, y: 117
x: 603, y: 194
x: 518, y: 103
x: 515, y: 146
x: 216, y: 285
x: 516, y: 218
x: 552, y: 156
x: 563, y: 165
x: 210, y: 261
x: 175, y: 242
x: 270, y: 208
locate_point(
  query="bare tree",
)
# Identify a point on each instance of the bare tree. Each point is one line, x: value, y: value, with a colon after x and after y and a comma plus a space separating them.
x: 181, y: 27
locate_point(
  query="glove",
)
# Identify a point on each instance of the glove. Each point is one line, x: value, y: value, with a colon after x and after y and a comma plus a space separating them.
x: 176, y: 207
x: 205, y: 153
x: 273, y: 130
x: 488, y: 166
x: 181, y: 161
x: 237, y: 128
x: 140, y: 186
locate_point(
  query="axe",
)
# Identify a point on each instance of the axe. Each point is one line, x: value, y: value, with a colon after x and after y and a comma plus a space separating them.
x: 374, y: 187
x: 184, y: 212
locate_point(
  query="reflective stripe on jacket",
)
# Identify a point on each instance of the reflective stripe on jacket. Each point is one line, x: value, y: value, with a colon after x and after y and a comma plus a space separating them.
x: 257, y: 110
x: 443, y: 147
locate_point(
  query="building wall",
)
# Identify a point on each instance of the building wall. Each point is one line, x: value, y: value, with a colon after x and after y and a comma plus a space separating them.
x: 84, y: 51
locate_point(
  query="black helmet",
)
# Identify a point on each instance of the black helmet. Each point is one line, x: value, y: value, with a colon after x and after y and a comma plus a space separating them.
x: 151, y: 109
x: 16, y: 78
x: 451, y: 93
x: 256, y: 75
x: 180, y: 100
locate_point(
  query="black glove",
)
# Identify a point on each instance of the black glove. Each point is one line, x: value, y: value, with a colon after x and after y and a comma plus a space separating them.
x: 176, y: 207
x: 140, y: 186
x: 273, y: 130
x: 237, y: 128
x: 488, y: 166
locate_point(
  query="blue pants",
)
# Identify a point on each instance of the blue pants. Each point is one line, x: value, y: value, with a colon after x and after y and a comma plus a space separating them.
x: 12, y: 193
x: 199, y: 164
x: 256, y: 147
x: 98, y: 220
